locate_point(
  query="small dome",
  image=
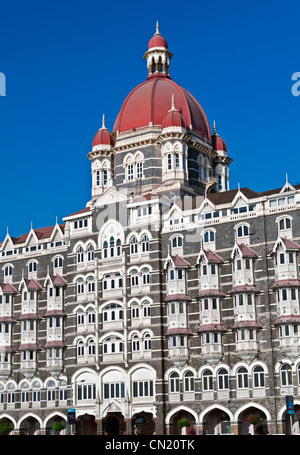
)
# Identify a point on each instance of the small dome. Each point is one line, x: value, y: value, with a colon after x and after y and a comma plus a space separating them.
x: 173, y: 118
x: 103, y: 136
x: 157, y: 40
x: 219, y: 145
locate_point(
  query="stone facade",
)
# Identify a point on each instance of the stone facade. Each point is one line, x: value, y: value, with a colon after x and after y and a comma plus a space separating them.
x: 167, y: 297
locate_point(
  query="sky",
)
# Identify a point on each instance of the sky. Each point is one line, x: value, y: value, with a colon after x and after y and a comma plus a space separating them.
x: 67, y: 62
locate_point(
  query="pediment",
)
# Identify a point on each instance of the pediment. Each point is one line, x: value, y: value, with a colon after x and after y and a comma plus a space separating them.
x: 111, y: 196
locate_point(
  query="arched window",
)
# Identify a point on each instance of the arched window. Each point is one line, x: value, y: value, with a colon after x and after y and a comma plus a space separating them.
x: 209, y: 236
x: 91, y: 347
x: 112, y: 246
x: 174, y: 382
x: 145, y: 243
x: 177, y: 242
x: 286, y: 375
x: 284, y: 224
x: 135, y: 343
x: 32, y: 267
x: 189, y: 382
x: 223, y: 379
x: 36, y: 392
x: 146, y: 276
x: 242, y: 231
x: 207, y: 380
x: 133, y: 245
x: 134, y: 278
x: 51, y: 391
x: 80, y: 255
x: 105, y: 249
x: 80, y: 349
x: 90, y: 256
x: 25, y: 392
x: 147, y: 342
x: 169, y: 161
x: 258, y: 377
x: 8, y: 271
x: 80, y: 286
x: 80, y: 318
x: 58, y: 262
x: 242, y: 378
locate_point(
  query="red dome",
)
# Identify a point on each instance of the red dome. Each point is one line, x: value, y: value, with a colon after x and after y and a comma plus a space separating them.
x: 157, y: 41
x: 173, y: 118
x: 219, y: 144
x: 102, y: 137
x: 149, y: 103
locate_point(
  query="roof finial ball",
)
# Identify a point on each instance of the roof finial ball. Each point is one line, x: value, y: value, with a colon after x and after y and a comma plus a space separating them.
x: 103, y: 121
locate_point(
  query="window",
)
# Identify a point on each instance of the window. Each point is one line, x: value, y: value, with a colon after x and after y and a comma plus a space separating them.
x: 207, y: 380
x: 146, y: 276
x: 80, y: 349
x: 36, y: 392
x: 86, y: 392
x: 97, y: 178
x: 286, y: 375
x: 285, y: 223
x: 90, y: 256
x: 209, y: 236
x: 147, y: 342
x: 243, y: 231
x: 51, y: 391
x: 281, y: 201
x: 105, y: 177
x: 139, y: 170
x: 58, y: 262
x: 177, y: 242
x: 114, y: 390
x: 80, y: 286
x: 189, y: 382
x: 133, y: 245
x: 135, y: 343
x: 174, y: 382
x: 242, y: 378
x: 80, y: 255
x: 81, y: 224
x: 32, y: 267
x: 145, y: 243
x: 169, y: 161
x: 223, y: 379
x: 130, y: 172
x: 8, y: 271
x: 142, y: 388
x: 258, y: 377
x: 244, y: 209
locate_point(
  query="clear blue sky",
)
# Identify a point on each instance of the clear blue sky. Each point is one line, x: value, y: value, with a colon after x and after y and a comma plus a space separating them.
x: 68, y: 62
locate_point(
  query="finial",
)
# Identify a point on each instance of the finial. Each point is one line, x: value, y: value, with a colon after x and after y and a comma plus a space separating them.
x: 173, y: 103
x: 56, y: 219
x: 31, y: 224
x: 286, y: 178
x: 103, y: 121
x: 215, y: 128
x: 157, y: 29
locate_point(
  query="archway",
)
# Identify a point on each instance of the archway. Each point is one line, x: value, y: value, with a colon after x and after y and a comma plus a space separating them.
x: 6, y: 426
x: 253, y: 421
x: 143, y: 423
x: 114, y: 424
x: 30, y: 426
x: 56, y: 426
x: 179, y: 417
x: 217, y: 422
x: 86, y: 425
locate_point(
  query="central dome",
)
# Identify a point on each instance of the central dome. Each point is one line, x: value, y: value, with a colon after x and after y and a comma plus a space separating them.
x: 148, y: 104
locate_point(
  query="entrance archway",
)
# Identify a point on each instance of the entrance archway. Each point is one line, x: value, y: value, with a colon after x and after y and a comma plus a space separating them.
x: 114, y: 424
x: 180, y: 415
x: 86, y: 425
x: 253, y: 421
x: 6, y: 426
x: 30, y: 426
x: 143, y: 423
x: 217, y: 422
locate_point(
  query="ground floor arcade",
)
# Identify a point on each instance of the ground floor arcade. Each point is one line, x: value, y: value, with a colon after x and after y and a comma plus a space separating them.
x: 252, y: 419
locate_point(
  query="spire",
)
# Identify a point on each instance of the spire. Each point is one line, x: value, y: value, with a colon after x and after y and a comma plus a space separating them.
x: 173, y: 108
x: 157, y: 29
x: 215, y: 128
x: 103, y: 122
